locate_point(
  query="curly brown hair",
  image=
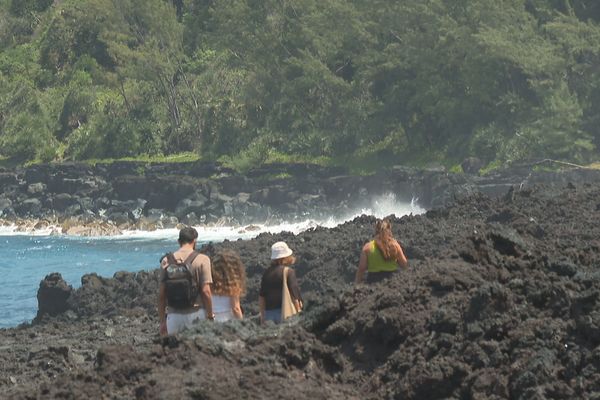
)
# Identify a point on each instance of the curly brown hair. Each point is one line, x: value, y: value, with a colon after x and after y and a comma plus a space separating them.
x: 229, y: 274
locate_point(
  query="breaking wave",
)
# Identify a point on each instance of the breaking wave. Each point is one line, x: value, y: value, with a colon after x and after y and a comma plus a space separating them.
x: 379, y: 206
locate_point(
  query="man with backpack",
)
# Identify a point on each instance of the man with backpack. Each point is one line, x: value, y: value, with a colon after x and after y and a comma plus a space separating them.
x: 185, y: 278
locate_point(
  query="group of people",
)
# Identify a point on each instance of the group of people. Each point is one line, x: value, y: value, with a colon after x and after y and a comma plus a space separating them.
x: 193, y: 288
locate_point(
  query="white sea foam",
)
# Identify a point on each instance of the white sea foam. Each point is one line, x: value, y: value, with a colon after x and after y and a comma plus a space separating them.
x: 379, y: 206
x: 14, y: 230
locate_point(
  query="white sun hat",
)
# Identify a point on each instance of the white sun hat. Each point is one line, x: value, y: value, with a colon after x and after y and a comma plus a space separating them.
x: 280, y: 250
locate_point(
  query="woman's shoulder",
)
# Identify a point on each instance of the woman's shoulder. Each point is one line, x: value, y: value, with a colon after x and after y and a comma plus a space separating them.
x: 368, y: 246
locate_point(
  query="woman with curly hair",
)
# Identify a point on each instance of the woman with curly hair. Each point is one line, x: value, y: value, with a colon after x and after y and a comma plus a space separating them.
x: 229, y: 285
x: 382, y: 256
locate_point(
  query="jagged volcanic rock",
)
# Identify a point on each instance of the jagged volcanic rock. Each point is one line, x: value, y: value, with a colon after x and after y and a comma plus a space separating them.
x: 52, y: 296
x: 501, y: 300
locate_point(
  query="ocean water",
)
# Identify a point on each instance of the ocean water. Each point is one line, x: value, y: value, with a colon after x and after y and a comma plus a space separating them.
x: 26, y: 258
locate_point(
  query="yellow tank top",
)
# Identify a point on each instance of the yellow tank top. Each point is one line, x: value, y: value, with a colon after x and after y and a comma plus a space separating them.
x: 376, y: 262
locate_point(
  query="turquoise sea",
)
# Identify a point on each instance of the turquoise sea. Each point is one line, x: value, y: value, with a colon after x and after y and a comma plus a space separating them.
x: 26, y: 260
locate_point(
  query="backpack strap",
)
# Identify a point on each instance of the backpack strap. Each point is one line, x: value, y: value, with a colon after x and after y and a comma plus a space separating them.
x: 190, y: 259
x: 171, y: 259
x: 188, y: 264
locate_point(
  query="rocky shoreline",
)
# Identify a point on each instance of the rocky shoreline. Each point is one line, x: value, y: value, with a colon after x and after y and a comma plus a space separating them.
x: 106, y: 199
x: 501, y: 301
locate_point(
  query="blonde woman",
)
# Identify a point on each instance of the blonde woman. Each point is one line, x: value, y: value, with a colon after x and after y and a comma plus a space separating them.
x: 382, y: 256
x: 229, y: 285
x: 271, y: 286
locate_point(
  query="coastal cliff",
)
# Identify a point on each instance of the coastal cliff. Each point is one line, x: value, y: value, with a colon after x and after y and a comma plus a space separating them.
x: 104, y: 199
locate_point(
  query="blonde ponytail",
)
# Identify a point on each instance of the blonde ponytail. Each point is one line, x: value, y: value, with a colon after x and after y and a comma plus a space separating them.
x: 385, y: 241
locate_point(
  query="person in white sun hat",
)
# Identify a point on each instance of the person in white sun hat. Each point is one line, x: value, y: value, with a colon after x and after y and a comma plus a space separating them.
x: 279, y: 296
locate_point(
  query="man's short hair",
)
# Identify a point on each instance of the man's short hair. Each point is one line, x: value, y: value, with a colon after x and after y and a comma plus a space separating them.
x: 187, y: 235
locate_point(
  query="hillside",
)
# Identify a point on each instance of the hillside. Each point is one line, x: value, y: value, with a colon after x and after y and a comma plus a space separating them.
x: 344, y: 81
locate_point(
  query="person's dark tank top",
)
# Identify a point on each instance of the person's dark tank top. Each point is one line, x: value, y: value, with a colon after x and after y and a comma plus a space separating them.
x: 271, y: 286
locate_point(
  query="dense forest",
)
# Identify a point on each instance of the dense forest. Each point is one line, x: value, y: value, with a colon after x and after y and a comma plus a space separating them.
x: 390, y: 81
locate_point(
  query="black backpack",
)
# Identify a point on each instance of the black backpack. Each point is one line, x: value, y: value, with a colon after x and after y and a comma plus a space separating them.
x: 180, y: 285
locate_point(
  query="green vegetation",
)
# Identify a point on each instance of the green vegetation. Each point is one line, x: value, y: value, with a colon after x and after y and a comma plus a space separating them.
x: 173, y: 158
x: 352, y: 82
x: 494, y: 165
x: 456, y: 169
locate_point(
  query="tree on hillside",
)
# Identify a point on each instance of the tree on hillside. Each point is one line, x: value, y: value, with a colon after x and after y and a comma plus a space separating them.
x: 377, y: 81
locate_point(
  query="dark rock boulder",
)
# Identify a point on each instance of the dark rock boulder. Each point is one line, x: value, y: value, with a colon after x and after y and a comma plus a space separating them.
x: 87, y: 203
x: 187, y: 206
x: 234, y: 184
x: 163, y: 192
x: 99, y: 295
x: 36, y: 188
x: 129, y: 187
x: 192, y: 219
x: 52, y: 296
x: 29, y: 207
x: 205, y: 169
x: 5, y: 203
x: 102, y: 204
x: 564, y: 268
x: 272, y: 195
x: 119, y: 217
x: 134, y: 207
x: 62, y: 201
x: 36, y: 173
x: 472, y: 165
x: 61, y: 184
x: 118, y: 168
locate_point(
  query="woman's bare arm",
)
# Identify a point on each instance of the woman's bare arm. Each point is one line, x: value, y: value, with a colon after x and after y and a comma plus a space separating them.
x: 298, y: 304
x: 162, y: 307
x: 362, y: 264
x: 262, y: 307
x: 402, y: 261
x: 236, y: 309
